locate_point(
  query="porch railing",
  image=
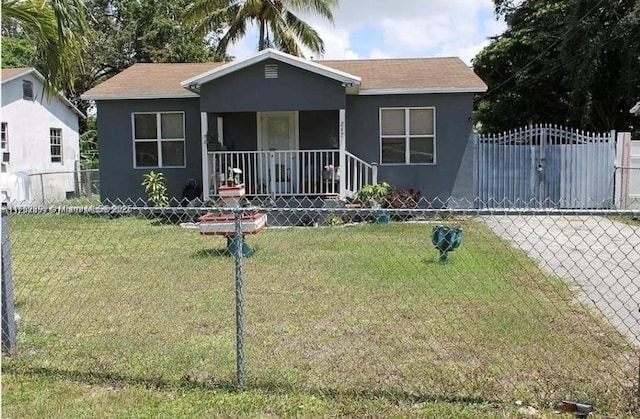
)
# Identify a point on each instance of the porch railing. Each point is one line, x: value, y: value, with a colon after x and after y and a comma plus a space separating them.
x: 291, y: 172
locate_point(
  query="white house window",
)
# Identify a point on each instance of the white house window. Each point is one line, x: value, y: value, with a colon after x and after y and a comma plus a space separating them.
x: 27, y: 90
x: 408, y: 135
x: 158, y: 139
x: 4, y: 137
x: 55, y: 136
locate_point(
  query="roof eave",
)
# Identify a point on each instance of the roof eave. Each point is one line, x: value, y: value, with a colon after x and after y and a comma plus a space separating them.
x: 40, y: 77
x: 18, y: 75
x: 187, y: 95
x: 223, y: 70
x: 422, y: 91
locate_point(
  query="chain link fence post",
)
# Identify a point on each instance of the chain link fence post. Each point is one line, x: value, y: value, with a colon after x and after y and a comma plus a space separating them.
x: 9, y: 329
x: 239, y: 246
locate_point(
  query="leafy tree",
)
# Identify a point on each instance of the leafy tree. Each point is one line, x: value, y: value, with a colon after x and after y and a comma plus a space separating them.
x: 17, y: 52
x: 131, y: 31
x: 58, y: 30
x: 89, y: 144
x: 571, y: 62
x: 125, y: 32
x: 278, y: 24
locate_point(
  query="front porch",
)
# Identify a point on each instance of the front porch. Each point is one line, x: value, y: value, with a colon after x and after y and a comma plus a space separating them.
x: 291, y: 173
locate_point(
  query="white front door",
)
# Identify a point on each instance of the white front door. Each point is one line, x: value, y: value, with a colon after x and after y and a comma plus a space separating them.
x: 278, y: 133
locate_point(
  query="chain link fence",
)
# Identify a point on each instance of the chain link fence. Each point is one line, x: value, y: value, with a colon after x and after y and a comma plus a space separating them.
x: 628, y: 195
x: 412, y: 304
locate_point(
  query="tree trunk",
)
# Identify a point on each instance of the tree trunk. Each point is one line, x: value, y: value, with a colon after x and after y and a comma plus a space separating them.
x: 261, y: 43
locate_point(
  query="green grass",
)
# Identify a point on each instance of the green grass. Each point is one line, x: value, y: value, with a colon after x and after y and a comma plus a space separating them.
x: 631, y: 220
x: 127, y: 317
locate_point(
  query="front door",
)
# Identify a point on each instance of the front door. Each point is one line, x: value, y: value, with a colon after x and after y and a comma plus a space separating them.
x: 278, y: 134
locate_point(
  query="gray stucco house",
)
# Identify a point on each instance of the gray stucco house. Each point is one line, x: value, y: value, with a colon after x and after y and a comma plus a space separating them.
x: 295, y: 127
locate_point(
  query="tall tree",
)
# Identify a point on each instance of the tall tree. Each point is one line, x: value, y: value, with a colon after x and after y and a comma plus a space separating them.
x: 277, y: 21
x: 569, y: 62
x: 56, y: 28
x: 130, y: 31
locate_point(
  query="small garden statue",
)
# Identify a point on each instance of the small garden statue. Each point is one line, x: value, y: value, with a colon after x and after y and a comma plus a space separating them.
x: 234, y: 176
x: 446, y: 239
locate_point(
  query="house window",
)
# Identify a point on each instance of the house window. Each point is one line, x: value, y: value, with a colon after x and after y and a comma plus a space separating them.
x: 27, y: 90
x: 408, y: 135
x: 55, y: 136
x: 4, y: 137
x: 158, y: 139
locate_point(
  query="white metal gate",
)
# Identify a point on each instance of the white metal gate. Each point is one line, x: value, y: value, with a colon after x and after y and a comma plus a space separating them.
x: 634, y: 175
x: 545, y: 166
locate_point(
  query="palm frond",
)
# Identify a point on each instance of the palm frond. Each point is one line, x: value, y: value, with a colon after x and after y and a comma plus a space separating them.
x: 323, y: 8
x: 285, y: 39
x: 305, y: 34
x: 237, y: 30
x: 59, y: 43
x: 289, y: 32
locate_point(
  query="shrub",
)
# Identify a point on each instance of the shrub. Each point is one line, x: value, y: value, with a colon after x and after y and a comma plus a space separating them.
x: 402, y: 199
x: 156, y: 188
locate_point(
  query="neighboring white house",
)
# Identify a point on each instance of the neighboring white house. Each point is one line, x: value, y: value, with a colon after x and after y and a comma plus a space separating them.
x: 39, y: 134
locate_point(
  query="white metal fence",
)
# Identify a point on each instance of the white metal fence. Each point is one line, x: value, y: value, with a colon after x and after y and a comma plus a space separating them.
x: 545, y: 166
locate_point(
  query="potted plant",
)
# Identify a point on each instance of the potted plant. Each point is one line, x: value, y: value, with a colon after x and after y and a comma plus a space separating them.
x: 213, y: 142
x: 371, y: 195
x: 233, y: 191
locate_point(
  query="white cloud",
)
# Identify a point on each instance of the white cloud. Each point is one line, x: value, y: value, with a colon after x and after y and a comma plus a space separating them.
x: 410, y: 28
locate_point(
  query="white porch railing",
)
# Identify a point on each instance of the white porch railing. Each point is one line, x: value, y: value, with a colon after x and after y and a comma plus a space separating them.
x: 290, y: 173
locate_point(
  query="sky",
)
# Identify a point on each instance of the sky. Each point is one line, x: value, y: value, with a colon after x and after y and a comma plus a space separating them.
x: 399, y: 28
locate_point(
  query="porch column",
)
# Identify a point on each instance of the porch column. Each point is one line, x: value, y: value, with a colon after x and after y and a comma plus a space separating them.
x: 342, y: 172
x: 204, y: 127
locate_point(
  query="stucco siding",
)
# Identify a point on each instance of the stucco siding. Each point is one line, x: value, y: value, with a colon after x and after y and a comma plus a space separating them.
x: 29, y: 143
x: 452, y: 175
x: 294, y: 89
x: 118, y: 177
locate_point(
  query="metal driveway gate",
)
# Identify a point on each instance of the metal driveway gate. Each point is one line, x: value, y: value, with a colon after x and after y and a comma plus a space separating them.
x: 545, y: 166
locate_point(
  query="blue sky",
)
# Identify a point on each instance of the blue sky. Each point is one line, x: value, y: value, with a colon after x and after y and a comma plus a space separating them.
x: 400, y: 28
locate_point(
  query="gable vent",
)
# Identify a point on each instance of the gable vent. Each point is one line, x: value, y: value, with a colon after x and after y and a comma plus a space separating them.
x: 27, y: 90
x: 271, y: 71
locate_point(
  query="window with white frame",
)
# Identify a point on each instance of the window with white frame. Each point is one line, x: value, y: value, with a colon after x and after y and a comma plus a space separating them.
x: 408, y: 135
x: 158, y: 139
x: 4, y: 137
x: 55, y: 139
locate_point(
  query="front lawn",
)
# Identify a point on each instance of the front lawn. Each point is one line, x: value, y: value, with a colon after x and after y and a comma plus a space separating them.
x: 126, y: 317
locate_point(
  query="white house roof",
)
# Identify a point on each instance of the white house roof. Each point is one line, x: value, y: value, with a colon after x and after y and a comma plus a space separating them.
x: 269, y: 53
x: 9, y: 74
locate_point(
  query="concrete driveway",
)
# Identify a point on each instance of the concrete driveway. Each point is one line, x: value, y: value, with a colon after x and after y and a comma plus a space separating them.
x: 600, y: 256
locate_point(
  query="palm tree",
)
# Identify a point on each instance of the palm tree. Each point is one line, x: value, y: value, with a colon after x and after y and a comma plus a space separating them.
x: 279, y: 27
x: 57, y: 28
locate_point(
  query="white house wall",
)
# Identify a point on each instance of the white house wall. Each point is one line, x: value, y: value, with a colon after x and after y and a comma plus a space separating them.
x: 28, y: 124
